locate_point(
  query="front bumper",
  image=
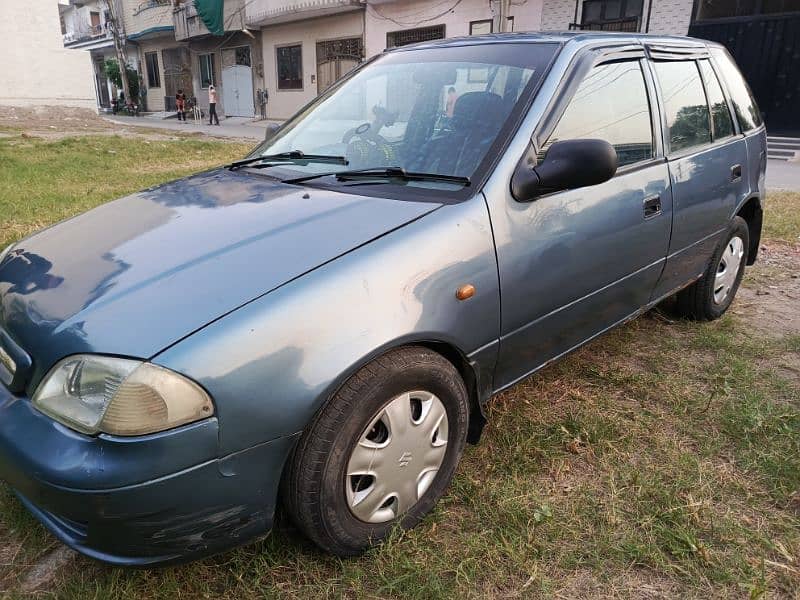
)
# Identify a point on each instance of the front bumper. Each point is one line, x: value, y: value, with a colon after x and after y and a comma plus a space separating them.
x: 139, y: 501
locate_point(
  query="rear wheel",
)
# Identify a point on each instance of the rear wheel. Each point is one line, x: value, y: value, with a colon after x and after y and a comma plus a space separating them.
x: 380, y: 453
x: 710, y: 296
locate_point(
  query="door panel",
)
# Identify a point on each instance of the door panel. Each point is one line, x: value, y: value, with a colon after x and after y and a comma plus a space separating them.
x: 705, y: 195
x: 237, y: 90
x: 708, y: 173
x: 575, y: 263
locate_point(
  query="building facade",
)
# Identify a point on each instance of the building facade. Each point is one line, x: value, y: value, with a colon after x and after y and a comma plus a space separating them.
x: 85, y: 26
x: 309, y: 44
x: 278, y: 55
x: 37, y: 70
x: 167, y: 43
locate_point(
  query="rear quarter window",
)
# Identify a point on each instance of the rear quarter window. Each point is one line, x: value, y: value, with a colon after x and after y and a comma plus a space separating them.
x: 684, y: 104
x: 720, y: 115
x: 744, y: 105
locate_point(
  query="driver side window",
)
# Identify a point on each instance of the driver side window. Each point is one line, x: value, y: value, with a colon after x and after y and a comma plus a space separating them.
x: 611, y: 104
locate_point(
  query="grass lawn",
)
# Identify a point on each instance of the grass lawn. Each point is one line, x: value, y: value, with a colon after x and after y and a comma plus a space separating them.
x: 661, y: 460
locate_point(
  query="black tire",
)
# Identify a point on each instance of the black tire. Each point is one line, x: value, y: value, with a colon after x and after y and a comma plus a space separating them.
x: 313, y: 488
x: 697, y: 301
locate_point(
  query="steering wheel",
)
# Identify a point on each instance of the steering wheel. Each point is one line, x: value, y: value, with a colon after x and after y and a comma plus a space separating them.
x: 359, y: 131
x: 369, y: 147
x: 372, y: 131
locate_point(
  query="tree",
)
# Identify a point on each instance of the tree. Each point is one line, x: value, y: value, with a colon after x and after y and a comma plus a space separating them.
x: 111, y: 68
x: 114, y: 23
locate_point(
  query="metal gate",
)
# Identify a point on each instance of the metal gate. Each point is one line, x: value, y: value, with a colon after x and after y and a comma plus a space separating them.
x: 767, y: 49
x: 177, y: 75
x: 335, y: 58
x: 237, y: 82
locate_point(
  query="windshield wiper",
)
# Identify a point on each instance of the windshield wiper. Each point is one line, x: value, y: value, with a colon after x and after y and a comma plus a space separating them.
x: 384, y: 173
x: 292, y: 156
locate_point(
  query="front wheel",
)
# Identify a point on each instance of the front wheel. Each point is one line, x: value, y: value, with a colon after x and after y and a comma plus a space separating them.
x: 711, y: 295
x: 380, y: 453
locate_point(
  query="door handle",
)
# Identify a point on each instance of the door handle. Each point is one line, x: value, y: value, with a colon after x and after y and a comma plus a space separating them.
x: 651, y: 206
x: 736, y: 173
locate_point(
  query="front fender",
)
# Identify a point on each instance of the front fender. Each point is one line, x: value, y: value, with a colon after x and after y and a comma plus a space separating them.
x: 271, y: 364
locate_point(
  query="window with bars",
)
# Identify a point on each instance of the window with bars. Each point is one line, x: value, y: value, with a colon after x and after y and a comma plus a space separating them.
x: 611, y: 15
x: 243, y: 56
x: 395, y: 39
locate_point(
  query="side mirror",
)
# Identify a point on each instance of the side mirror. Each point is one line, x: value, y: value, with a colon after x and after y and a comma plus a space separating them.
x: 568, y: 164
x: 272, y: 129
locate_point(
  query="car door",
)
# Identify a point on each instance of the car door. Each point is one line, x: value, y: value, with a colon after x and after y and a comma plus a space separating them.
x: 707, y: 162
x: 574, y: 263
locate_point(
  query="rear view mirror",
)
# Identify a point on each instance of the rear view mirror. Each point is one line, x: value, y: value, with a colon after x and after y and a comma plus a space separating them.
x: 272, y: 129
x: 568, y: 165
x: 436, y: 75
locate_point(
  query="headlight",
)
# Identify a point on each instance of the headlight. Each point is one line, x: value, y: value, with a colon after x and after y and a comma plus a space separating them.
x: 96, y: 394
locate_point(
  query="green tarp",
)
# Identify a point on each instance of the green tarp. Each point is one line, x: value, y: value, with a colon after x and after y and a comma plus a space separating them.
x: 211, y: 13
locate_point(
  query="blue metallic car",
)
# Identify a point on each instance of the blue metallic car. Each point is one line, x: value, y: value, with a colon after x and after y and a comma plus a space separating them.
x: 320, y: 324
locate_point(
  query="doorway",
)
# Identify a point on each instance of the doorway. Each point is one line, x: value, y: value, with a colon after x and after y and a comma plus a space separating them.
x: 177, y: 75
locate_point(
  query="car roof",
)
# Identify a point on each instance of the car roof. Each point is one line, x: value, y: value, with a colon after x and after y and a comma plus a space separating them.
x: 571, y: 38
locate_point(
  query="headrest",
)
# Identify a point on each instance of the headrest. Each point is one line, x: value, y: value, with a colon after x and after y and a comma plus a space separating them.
x: 476, y: 108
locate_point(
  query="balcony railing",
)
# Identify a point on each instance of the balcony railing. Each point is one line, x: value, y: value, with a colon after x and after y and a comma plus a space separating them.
x: 188, y: 23
x: 628, y: 25
x: 152, y: 16
x: 148, y: 4
x: 268, y: 12
x: 92, y: 32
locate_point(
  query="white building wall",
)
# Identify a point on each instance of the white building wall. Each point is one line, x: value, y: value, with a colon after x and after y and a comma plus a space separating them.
x: 558, y: 14
x: 671, y: 17
x: 384, y: 17
x: 37, y: 70
x: 284, y: 103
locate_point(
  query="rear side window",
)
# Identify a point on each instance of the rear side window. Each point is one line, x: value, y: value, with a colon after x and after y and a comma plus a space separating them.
x: 684, y: 104
x: 743, y: 104
x: 720, y: 115
x: 611, y: 104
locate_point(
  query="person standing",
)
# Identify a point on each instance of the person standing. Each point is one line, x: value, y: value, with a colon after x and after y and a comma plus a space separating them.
x: 212, y: 106
x: 180, y: 105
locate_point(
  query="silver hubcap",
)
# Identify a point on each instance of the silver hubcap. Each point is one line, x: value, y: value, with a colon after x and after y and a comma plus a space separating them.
x: 728, y: 269
x: 397, y: 457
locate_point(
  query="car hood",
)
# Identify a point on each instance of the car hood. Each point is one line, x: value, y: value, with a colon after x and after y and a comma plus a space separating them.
x: 133, y: 276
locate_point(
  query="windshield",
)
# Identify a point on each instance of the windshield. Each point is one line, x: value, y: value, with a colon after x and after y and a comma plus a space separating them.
x: 433, y: 110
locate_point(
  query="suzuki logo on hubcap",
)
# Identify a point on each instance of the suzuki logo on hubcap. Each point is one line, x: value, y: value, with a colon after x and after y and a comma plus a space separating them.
x: 404, y: 459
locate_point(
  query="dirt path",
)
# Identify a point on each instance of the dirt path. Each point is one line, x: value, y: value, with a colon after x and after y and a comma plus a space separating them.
x: 53, y: 123
x: 770, y: 294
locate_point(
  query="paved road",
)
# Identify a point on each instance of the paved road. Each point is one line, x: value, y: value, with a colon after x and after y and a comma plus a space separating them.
x: 783, y: 175
x: 780, y: 174
x: 233, y: 127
